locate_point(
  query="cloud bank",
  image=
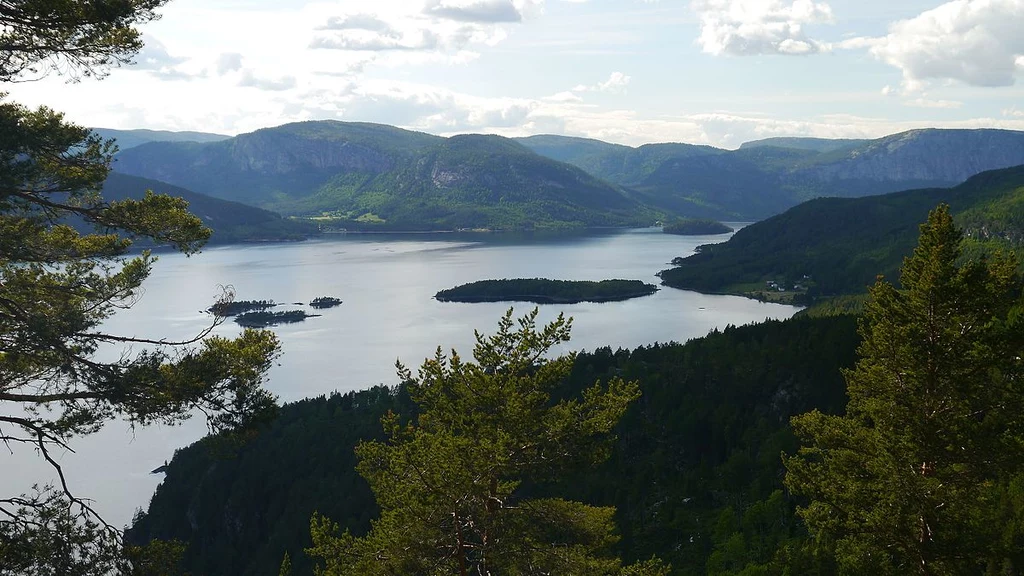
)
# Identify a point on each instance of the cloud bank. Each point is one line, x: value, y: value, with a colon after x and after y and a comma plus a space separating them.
x: 976, y: 42
x: 752, y: 27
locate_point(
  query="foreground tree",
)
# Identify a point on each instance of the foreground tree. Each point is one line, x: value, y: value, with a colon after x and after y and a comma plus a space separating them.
x: 71, y: 37
x: 66, y: 267
x: 907, y: 481
x: 451, y: 484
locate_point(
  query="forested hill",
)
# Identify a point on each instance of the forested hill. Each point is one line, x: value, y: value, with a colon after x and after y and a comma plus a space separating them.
x: 289, y: 161
x: 367, y: 175
x: 230, y: 221
x: 841, y: 245
x: 764, y: 178
x: 696, y: 474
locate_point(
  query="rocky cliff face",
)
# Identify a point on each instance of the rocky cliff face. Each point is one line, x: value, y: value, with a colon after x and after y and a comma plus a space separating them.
x: 949, y: 156
x: 268, y: 153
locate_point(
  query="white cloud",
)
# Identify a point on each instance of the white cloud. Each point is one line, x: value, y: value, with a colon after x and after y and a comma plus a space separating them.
x: 251, y: 80
x: 475, y: 10
x: 924, y: 102
x: 751, y: 27
x: 976, y: 42
x: 448, y: 27
x: 566, y: 96
x: 155, y: 59
x: 229, y: 62
x: 616, y: 82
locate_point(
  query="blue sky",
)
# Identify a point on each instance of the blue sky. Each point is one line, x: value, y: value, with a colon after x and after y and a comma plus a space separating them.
x: 717, y: 72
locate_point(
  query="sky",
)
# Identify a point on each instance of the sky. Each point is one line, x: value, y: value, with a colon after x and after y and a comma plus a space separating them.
x: 718, y: 72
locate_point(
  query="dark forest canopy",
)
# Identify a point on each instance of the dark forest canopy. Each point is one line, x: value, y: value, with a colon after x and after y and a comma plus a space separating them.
x: 543, y: 291
x: 695, y: 475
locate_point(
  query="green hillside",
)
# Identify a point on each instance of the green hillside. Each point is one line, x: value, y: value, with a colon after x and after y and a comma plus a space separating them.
x: 837, y: 246
x: 276, y: 164
x: 371, y: 176
x: 230, y: 221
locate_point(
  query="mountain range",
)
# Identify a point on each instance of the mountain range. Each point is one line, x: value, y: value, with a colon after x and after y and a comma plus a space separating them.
x: 354, y: 175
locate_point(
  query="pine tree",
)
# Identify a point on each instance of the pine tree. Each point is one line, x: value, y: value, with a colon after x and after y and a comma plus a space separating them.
x: 905, y: 482
x: 450, y: 484
x: 67, y: 264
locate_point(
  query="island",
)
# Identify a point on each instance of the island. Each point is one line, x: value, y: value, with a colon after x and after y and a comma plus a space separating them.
x: 324, y: 302
x: 236, y: 307
x: 695, y: 227
x: 265, y: 319
x: 543, y: 291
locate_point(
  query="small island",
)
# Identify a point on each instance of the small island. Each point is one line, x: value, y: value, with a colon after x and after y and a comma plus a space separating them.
x: 695, y: 227
x: 324, y: 302
x: 542, y: 291
x: 234, y: 308
x: 265, y: 319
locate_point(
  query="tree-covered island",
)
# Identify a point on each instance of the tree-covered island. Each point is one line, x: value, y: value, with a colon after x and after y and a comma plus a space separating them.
x: 695, y: 227
x: 325, y: 302
x: 543, y: 291
x: 236, y: 307
x: 264, y: 319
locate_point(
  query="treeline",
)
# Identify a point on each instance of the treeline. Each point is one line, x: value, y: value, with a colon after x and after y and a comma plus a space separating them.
x: 543, y: 291
x: 695, y: 474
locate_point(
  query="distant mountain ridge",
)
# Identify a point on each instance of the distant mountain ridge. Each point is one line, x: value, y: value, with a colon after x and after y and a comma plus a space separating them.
x: 812, y: 144
x: 131, y: 138
x: 766, y: 177
x: 361, y: 174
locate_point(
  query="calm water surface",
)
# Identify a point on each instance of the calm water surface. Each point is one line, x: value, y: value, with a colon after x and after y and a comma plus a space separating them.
x: 387, y: 283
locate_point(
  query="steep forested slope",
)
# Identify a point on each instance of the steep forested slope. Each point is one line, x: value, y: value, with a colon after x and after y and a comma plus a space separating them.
x: 696, y: 468
x: 230, y: 221
x: 842, y: 244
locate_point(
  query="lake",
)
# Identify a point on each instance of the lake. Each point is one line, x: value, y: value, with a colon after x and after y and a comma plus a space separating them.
x: 387, y: 283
